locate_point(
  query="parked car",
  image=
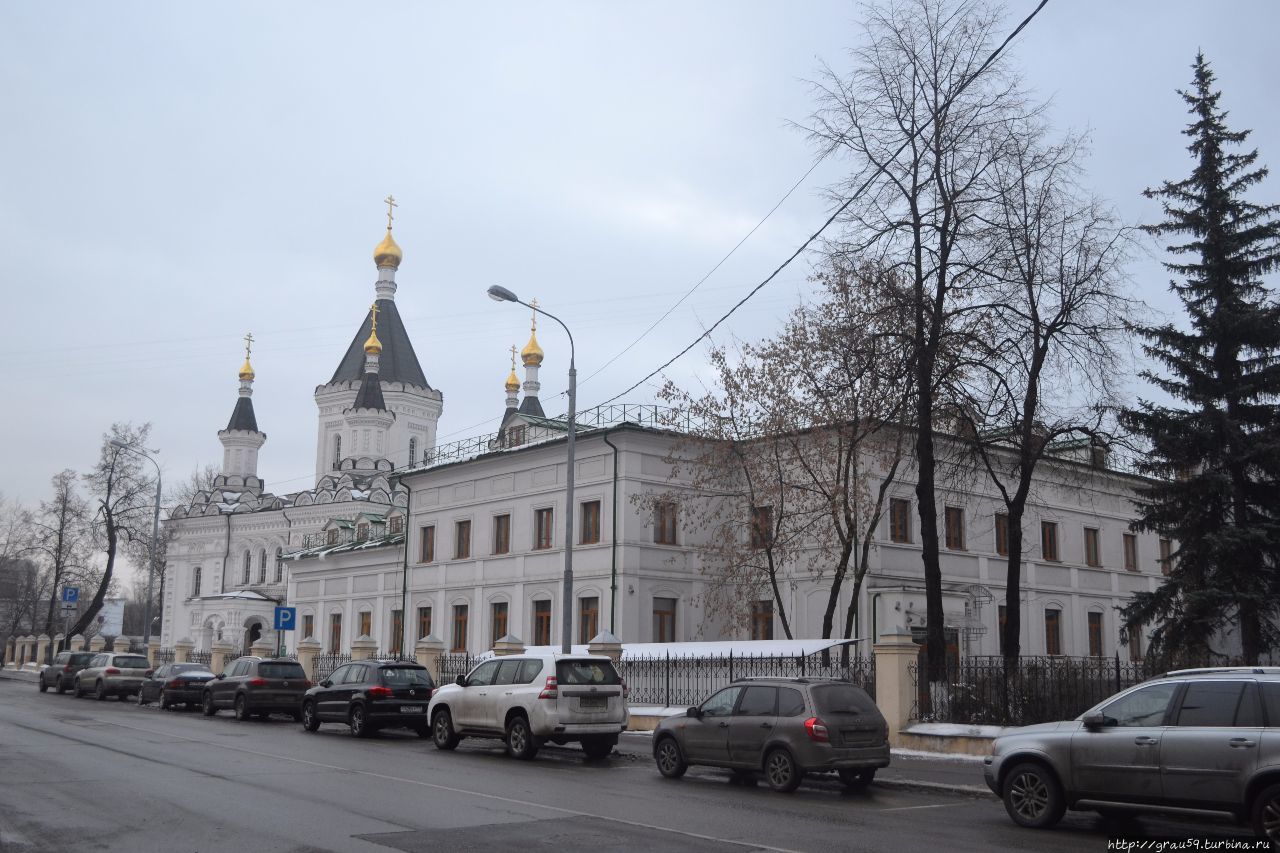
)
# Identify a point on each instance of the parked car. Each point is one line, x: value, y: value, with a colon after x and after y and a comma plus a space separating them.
x: 256, y: 686
x: 783, y: 727
x: 174, y: 684
x: 371, y: 695
x: 528, y: 700
x: 1194, y: 742
x: 111, y: 674
x: 60, y: 674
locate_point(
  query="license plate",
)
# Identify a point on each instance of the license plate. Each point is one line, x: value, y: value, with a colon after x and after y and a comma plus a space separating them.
x: 593, y: 703
x: 410, y: 709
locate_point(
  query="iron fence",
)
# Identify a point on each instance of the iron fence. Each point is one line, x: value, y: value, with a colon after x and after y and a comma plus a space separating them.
x: 205, y: 658
x: 164, y: 656
x: 676, y: 681
x: 453, y: 665
x: 393, y: 655
x: 326, y: 664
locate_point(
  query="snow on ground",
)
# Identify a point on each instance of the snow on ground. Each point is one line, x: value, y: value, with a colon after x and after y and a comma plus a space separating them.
x: 957, y: 757
x: 954, y: 730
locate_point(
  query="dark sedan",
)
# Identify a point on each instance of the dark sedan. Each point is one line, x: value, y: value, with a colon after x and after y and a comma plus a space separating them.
x: 174, y: 684
x: 371, y: 695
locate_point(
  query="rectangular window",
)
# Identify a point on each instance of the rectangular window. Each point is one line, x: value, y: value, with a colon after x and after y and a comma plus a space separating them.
x: 1135, y: 643
x: 424, y: 622
x: 590, y: 523
x: 1049, y: 540
x: 458, y: 641
x: 335, y: 633
x: 366, y: 624
x: 308, y: 625
x: 498, y: 620
x: 1166, y: 548
x: 1052, y: 631
x: 502, y: 534
x: 588, y: 618
x: 664, y: 523
x: 1002, y: 534
x: 955, y: 528
x: 362, y: 531
x: 1130, y: 552
x: 395, y: 524
x: 762, y: 619
x: 427, y: 544
x: 397, y: 632
x: 761, y: 526
x: 1092, y: 557
x: 664, y: 620
x: 515, y: 436
x: 542, y: 623
x: 461, y: 540
x: 1095, y: 635
x: 542, y: 538
x: 195, y: 582
x: 899, y: 520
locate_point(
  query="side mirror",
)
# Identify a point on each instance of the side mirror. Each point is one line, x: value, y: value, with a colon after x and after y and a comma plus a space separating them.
x: 461, y: 681
x: 326, y: 683
x: 148, y: 673
x: 1093, y: 722
x: 221, y: 675
x: 696, y: 713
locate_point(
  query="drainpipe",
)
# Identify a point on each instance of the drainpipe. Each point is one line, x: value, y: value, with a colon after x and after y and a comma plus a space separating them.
x: 404, y: 575
x: 613, y: 540
x: 226, y: 552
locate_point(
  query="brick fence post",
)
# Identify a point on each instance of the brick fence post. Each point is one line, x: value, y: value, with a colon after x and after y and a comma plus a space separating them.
x: 182, y: 650
x: 895, y: 688
x: 308, y: 649
x: 427, y: 652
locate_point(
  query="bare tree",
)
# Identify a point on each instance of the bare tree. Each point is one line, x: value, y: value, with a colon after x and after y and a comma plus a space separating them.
x: 60, y: 535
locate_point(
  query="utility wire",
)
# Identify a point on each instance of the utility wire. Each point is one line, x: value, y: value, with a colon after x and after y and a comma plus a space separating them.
x: 838, y: 211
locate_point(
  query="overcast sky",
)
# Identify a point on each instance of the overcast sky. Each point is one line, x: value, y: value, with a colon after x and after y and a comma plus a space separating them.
x: 175, y: 175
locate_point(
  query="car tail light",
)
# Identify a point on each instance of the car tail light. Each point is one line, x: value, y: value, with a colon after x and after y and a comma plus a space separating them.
x: 305, y: 683
x: 67, y: 668
x: 111, y: 670
x: 257, y: 682
x: 626, y: 691
x: 549, y: 691
x: 816, y: 729
x: 176, y: 682
x: 379, y: 692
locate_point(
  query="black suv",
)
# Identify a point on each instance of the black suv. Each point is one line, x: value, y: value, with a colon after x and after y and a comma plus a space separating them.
x: 61, y: 674
x: 371, y: 695
x: 254, y: 686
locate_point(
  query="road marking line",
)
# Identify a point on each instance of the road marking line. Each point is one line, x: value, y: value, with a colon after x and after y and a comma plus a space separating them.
x: 913, y: 808
x: 452, y: 789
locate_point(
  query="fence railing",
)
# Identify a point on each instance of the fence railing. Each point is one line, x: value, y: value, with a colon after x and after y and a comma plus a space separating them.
x: 326, y: 664
x: 200, y: 657
x: 455, y: 664
x: 164, y: 656
x: 683, y: 681
x: 393, y: 655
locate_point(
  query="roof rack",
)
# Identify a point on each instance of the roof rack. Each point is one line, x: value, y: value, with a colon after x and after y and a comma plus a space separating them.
x: 798, y: 679
x: 1225, y: 670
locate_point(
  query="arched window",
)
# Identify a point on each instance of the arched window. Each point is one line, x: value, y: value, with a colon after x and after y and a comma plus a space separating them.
x: 195, y: 583
x: 279, y: 566
x: 413, y: 450
x: 247, y: 559
x: 337, y: 451
x: 262, y: 566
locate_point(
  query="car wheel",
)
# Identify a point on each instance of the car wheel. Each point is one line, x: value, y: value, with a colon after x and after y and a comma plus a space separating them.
x: 141, y: 698
x: 358, y: 720
x: 781, y: 772
x: 44, y: 687
x: 598, y: 747
x: 76, y: 689
x: 671, y: 763
x: 1033, y: 797
x: 859, y: 778
x: 242, y: 708
x: 58, y: 686
x: 310, y: 721
x: 206, y: 704
x: 520, y: 741
x: 1266, y: 815
x: 442, y: 730
x: 99, y: 692
x: 165, y: 704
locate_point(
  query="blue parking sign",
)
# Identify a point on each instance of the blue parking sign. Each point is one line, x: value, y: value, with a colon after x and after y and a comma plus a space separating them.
x: 286, y: 618
x: 71, y: 594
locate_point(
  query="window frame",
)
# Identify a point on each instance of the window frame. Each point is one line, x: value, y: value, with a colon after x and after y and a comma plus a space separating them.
x: 589, y: 528
x: 664, y: 621
x: 1049, y: 537
x: 541, y: 621
x: 588, y: 618
x: 1002, y: 534
x: 900, y: 520
x: 335, y: 633
x: 427, y: 543
x: 499, y: 613
x: 1095, y: 632
x: 953, y: 527
x: 502, y: 534
x: 1129, y: 547
x: 665, y: 520
x: 760, y: 531
x: 462, y: 539
x: 544, y: 522
x: 762, y: 619
x: 1093, y: 547
x: 458, y: 628
x: 1053, y: 631
x: 424, y: 610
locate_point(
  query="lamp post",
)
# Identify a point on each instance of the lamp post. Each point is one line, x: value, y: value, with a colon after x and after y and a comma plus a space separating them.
x: 501, y: 294
x: 155, y: 539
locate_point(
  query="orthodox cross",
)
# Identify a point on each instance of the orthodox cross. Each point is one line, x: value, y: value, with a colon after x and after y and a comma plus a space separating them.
x: 248, y: 345
x: 390, y: 202
x: 513, y: 356
x: 533, y: 303
x: 373, y: 314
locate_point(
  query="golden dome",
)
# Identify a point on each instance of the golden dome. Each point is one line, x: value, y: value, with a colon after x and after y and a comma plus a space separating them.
x: 387, y: 253
x: 373, y: 346
x: 532, y: 353
x: 246, y: 369
x: 513, y: 384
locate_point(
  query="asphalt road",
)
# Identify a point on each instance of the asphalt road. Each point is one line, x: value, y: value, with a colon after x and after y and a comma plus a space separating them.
x: 86, y: 775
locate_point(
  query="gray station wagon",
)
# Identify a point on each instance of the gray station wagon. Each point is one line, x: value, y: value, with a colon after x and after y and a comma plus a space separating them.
x: 1200, y: 743
x: 112, y: 674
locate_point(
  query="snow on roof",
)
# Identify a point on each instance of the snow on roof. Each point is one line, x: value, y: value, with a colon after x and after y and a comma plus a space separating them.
x: 722, y: 648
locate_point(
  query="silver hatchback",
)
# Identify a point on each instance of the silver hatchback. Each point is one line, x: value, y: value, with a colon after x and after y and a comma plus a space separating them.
x: 112, y: 674
x: 1201, y: 743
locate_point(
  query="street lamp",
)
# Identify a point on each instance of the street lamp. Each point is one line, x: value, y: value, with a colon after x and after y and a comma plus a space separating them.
x: 501, y: 294
x: 155, y: 538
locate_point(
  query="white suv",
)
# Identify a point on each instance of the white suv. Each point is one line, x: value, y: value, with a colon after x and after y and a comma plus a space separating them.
x: 529, y: 699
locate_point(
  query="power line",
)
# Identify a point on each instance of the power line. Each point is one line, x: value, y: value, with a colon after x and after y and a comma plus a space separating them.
x: 838, y: 211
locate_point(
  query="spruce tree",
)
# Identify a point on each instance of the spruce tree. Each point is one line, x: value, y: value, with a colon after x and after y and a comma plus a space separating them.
x: 1215, y: 449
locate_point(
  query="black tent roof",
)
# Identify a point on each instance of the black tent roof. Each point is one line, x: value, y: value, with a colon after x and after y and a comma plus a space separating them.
x: 398, y: 362
x: 242, y: 416
x: 370, y: 395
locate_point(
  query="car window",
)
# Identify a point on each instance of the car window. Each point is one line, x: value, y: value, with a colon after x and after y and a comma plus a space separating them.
x: 842, y: 699
x: 586, y: 672
x: 175, y: 668
x: 1271, y: 701
x: 1143, y: 707
x: 405, y: 676
x: 132, y: 662
x: 1249, y: 714
x: 356, y: 674
x: 790, y: 702
x: 1210, y: 703
x: 61, y: 658
x: 338, y: 674
x: 98, y: 660
x: 721, y: 704
x: 482, y: 676
x: 281, y: 669
x: 508, y: 671
x: 81, y: 659
x: 758, y: 701
x: 529, y: 670
x: 161, y: 672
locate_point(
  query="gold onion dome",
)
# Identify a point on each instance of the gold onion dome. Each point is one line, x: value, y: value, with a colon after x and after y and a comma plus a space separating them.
x: 387, y: 253
x: 532, y: 353
x: 246, y: 369
x: 513, y: 384
x: 373, y: 346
